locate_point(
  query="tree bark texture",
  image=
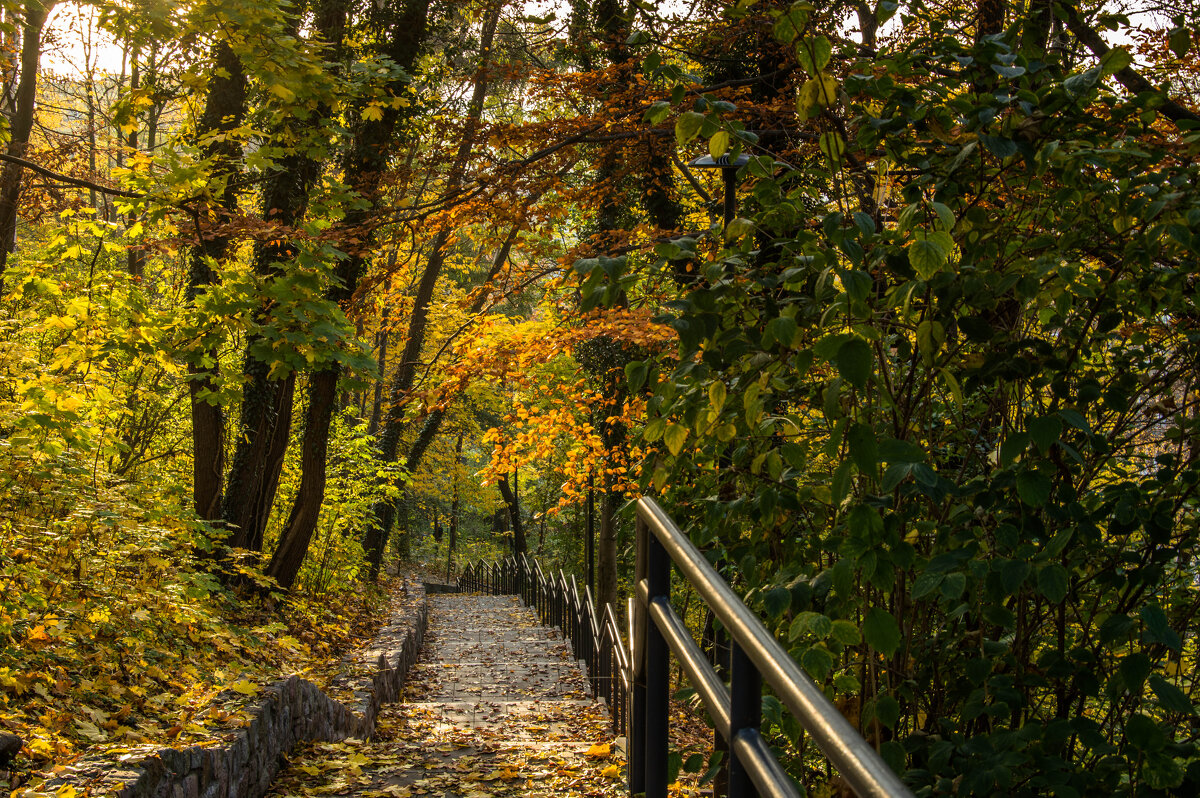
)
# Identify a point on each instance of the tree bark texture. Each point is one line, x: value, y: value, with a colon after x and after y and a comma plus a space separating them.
x: 406, y: 369
x: 224, y: 110
x: 364, y: 167
x: 21, y: 124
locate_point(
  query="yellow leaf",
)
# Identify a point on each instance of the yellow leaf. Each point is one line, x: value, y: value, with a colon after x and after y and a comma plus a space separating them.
x: 599, y: 751
x: 283, y: 92
x: 372, y: 113
x: 244, y: 687
x: 611, y: 772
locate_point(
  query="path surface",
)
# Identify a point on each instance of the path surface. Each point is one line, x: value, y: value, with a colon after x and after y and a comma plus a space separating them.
x: 495, y: 707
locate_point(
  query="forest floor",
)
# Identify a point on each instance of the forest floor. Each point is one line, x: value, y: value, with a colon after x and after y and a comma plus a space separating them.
x: 148, y: 672
x: 495, y: 707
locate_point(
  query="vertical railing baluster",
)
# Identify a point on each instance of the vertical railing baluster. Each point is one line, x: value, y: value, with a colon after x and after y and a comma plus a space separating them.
x: 745, y: 712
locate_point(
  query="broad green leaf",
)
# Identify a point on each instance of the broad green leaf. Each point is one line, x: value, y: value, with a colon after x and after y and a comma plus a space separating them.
x: 718, y: 145
x: 1170, y: 697
x: 832, y: 146
x: 927, y: 257
x: 810, y: 623
x: 790, y: 24
x: 1115, y: 60
x: 818, y: 661
x: 687, y: 126
x: 1158, y: 628
x: 674, y: 436
x: 813, y: 53
x: 776, y: 601
x: 1033, y: 487
x: 846, y: 633
x: 861, y: 440
x: 1179, y: 41
x: 1053, y: 583
x: 658, y: 112
x: 716, y: 395
x: 881, y: 631
x: 1143, y: 732
x: 854, y: 361
x: 1044, y: 431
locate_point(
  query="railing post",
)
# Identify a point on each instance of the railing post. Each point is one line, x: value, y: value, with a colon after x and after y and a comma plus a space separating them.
x: 745, y: 712
x: 658, y: 687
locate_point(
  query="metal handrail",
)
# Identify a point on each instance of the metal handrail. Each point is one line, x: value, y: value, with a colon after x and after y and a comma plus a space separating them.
x: 756, y: 657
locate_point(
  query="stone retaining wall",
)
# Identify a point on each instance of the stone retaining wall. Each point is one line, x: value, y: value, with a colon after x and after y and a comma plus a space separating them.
x: 291, y: 711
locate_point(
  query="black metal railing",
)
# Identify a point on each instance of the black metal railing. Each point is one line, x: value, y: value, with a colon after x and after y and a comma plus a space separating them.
x: 559, y: 603
x: 636, y: 681
x: 755, y: 657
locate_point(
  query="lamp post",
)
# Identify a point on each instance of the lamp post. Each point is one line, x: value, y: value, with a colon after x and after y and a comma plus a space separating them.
x: 729, y: 167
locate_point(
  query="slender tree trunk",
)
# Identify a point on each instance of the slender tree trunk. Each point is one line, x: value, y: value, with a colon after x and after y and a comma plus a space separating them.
x: 21, y: 124
x: 224, y: 110
x: 406, y: 368
x: 135, y: 258
x: 452, y: 542
x: 514, y: 513
x: 364, y: 166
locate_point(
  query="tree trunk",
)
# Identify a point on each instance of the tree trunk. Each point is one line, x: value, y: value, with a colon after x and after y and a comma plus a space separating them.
x: 306, y: 509
x: 20, y: 125
x: 406, y: 368
x: 224, y: 110
x: 363, y: 167
x: 514, y: 514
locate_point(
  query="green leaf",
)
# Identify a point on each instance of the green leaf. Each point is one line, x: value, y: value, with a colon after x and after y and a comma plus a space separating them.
x: 887, y: 710
x: 1162, y: 771
x: 926, y: 583
x: 1158, y: 628
x: 1045, y: 431
x: 1144, y: 733
x: 718, y: 145
x: 854, y: 360
x: 818, y: 661
x: 927, y: 257
x: 1134, y: 669
x: 1033, y: 487
x: 1179, y: 41
x: 716, y: 395
x: 861, y: 440
x: 1012, y: 448
x: 776, y: 601
x: 846, y: 633
x: 1115, y: 60
x: 1170, y: 697
x: 635, y: 374
x: 1000, y: 147
x: 832, y: 146
x: 790, y: 24
x: 674, y: 436
x: 881, y: 631
x: 810, y: 623
x: 813, y: 53
x: 738, y: 228
x: 1008, y: 71
x: 687, y: 126
x: 840, y: 485
x: 658, y: 112
x: 1053, y: 583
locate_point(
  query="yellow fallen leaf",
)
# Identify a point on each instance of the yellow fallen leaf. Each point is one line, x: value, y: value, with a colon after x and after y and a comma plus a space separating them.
x: 310, y: 770
x: 611, y: 772
x: 244, y: 687
x: 599, y: 751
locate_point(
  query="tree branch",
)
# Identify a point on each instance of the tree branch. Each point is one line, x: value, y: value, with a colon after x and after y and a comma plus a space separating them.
x: 1128, y: 77
x: 72, y: 181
